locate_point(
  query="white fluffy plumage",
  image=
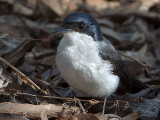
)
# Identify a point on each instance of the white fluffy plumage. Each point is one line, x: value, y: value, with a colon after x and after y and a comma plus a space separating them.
x: 80, y: 64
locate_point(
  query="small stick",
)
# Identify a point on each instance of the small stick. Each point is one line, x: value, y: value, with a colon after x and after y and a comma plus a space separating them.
x: 71, y: 99
x: 80, y: 105
x: 24, y: 78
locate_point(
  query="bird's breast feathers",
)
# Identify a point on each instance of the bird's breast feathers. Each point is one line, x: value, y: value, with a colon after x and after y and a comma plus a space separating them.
x: 80, y: 64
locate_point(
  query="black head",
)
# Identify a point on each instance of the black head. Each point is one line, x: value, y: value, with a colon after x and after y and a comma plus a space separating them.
x: 83, y: 23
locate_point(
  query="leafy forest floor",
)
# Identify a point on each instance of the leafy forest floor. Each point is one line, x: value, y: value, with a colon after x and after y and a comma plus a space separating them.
x: 31, y: 88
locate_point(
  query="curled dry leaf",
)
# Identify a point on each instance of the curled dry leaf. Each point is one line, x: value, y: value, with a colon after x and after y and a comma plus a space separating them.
x: 4, y: 79
x: 15, y: 55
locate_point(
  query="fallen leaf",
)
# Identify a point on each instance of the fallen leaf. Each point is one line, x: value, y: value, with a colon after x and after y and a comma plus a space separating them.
x: 132, y: 116
x: 108, y: 117
x: 61, y: 6
x: 102, y: 4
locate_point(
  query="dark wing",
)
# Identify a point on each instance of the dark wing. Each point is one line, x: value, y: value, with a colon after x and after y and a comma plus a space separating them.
x: 108, y: 52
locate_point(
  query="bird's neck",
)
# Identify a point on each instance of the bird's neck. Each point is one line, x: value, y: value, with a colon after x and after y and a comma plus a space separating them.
x: 76, y: 38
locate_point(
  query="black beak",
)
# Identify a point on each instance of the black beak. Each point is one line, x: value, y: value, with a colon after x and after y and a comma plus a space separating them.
x: 62, y: 30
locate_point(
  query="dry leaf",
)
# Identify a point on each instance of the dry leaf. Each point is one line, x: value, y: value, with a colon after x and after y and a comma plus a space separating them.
x: 87, y: 116
x: 108, y: 117
x: 61, y: 6
x: 109, y: 32
x: 132, y: 116
x: 146, y: 4
x: 3, y: 79
x: 102, y: 4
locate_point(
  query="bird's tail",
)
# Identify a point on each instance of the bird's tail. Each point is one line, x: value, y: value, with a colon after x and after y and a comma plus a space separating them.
x: 136, y: 85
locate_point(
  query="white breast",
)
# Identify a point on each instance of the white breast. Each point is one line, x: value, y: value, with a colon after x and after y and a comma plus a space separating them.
x: 81, y: 66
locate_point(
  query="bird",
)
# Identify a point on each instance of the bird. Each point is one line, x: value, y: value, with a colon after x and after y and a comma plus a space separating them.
x: 88, y: 61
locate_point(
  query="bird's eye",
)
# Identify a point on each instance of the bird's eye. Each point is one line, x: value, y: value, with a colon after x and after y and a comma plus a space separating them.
x: 81, y: 26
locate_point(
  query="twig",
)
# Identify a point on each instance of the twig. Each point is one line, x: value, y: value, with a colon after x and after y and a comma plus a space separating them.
x: 71, y: 99
x: 35, y: 111
x: 80, y: 105
x: 24, y: 78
